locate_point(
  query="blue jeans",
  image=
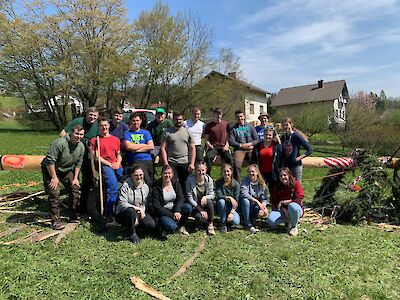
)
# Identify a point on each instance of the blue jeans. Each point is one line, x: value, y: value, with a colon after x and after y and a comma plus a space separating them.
x: 277, y: 217
x: 297, y: 172
x: 111, y: 177
x: 170, y: 225
x: 224, y: 208
x: 249, y: 211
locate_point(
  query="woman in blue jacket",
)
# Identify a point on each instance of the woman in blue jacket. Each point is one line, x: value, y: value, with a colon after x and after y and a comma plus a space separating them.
x: 292, y: 140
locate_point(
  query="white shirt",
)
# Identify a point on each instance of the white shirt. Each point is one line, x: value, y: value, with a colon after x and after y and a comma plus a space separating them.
x: 196, y: 129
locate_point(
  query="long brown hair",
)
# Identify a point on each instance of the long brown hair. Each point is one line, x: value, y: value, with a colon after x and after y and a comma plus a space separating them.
x: 230, y: 182
x: 260, y: 179
x: 290, y: 175
x: 289, y: 120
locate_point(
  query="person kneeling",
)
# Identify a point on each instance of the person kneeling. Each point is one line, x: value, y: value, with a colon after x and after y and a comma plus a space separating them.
x: 286, y: 202
x: 200, y: 195
x: 167, y: 202
x: 253, y: 197
x: 133, y: 202
x: 227, y: 191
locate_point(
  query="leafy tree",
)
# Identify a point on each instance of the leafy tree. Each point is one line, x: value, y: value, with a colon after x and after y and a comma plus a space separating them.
x: 382, y: 102
x: 172, y: 55
x: 66, y: 47
x: 314, y: 118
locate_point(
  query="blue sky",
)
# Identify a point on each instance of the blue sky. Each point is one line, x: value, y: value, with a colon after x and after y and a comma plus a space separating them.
x: 296, y: 42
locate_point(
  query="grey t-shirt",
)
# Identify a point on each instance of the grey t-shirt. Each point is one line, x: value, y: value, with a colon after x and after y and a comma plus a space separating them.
x: 178, y: 143
x: 169, y: 198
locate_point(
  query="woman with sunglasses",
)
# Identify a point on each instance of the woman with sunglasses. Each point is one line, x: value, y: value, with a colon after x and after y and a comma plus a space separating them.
x: 133, y: 204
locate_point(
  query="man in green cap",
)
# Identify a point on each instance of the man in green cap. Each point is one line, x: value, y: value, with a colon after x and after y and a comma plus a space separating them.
x: 157, y: 129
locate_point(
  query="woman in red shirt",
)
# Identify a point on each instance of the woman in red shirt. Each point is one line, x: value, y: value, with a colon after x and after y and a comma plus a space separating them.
x: 268, y: 156
x: 286, y: 201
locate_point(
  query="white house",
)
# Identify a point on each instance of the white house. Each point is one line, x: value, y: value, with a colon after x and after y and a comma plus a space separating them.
x: 333, y: 93
x: 251, y: 99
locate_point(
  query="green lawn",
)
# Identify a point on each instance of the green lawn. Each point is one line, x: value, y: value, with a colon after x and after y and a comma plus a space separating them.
x: 342, y: 262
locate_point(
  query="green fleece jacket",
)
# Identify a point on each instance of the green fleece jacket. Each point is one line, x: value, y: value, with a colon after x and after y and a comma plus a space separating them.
x: 222, y: 191
x: 64, y: 155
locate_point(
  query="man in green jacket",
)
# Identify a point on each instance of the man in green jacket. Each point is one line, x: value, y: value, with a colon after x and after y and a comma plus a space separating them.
x: 91, y: 127
x: 62, y: 164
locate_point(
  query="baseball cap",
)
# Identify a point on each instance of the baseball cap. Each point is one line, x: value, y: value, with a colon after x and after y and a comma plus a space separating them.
x: 160, y: 110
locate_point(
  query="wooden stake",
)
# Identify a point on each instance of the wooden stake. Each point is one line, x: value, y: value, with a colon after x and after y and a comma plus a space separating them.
x: 100, y: 177
x: 23, y: 198
x: 187, y: 263
x: 144, y: 287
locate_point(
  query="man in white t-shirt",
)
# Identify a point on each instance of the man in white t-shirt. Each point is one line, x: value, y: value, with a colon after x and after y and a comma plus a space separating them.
x: 196, y: 128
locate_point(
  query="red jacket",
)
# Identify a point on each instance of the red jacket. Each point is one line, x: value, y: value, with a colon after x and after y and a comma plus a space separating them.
x: 281, y: 192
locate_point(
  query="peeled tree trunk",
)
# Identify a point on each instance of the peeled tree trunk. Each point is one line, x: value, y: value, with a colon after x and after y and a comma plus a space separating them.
x: 32, y: 162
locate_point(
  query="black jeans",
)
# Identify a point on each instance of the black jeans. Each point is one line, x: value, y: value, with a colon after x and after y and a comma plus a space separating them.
x: 226, y: 156
x: 182, y: 172
x: 128, y: 218
x: 199, y: 154
x: 209, y: 208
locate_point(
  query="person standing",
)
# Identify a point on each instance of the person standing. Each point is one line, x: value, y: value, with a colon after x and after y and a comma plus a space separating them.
x: 178, y: 150
x: 117, y: 126
x: 216, y: 140
x: 110, y: 158
x: 157, y: 129
x: 292, y: 140
x: 196, y: 128
x: 138, y: 143
x: 264, y: 119
x: 243, y: 137
x: 268, y: 156
x: 91, y: 128
x: 62, y: 163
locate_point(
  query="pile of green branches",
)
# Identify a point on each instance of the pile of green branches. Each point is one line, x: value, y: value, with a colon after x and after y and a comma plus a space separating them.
x: 361, y: 199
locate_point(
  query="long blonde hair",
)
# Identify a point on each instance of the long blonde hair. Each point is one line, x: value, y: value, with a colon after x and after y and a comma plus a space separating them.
x: 260, y: 179
x: 230, y: 182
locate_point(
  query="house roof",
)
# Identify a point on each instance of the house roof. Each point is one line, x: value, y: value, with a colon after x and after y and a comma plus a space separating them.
x: 246, y: 84
x: 309, y: 93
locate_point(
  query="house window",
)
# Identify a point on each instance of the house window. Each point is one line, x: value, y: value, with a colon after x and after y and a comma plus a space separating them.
x: 252, y: 109
x: 261, y: 109
x: 337, y: 113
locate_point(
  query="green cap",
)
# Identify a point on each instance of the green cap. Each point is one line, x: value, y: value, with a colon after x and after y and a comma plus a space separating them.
x: 160, y: 110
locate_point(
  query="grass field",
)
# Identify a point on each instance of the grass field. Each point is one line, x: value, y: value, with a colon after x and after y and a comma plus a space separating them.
x: 341, y: 262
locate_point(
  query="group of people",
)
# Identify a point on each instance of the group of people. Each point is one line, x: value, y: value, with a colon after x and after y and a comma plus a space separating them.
x: 128, y: 154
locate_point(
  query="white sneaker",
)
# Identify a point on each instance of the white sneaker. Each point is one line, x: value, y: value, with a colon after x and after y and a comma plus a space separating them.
x: 294, y: 231
x: 183, y: 230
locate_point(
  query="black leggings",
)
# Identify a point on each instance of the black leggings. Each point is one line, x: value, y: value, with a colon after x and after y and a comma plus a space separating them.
x: 209, y: 208
x: 128, y: 217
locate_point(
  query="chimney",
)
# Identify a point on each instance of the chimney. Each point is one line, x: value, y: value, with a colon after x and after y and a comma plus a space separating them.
x: 232, y: 74
x: 320, y: 83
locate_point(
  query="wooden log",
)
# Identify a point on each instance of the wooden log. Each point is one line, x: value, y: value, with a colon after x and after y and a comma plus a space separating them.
x: 20, y: 162
x: 32, y: 162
